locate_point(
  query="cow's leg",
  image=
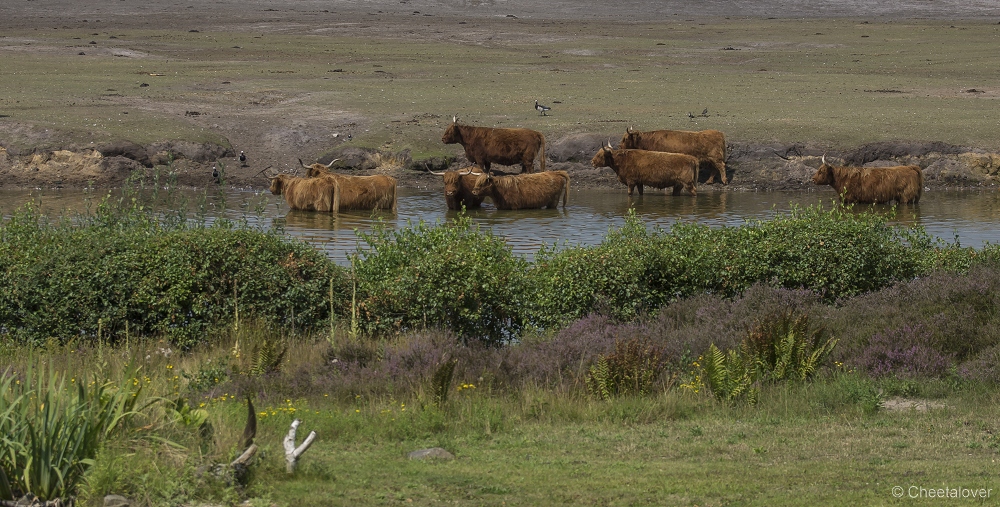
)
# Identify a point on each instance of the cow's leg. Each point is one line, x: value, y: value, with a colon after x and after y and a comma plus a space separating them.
x: 677, y: 189
x: 640, y: 188
x: 630, y: 188
x: 721, y: 166
x: 711, y: 175
x: 690, y: 188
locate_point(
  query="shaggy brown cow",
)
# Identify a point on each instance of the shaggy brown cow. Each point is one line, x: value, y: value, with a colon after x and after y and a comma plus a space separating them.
x: 307, y: 194
x: 358, y: 192
x: 458, y: 188
x: 706, y: 145
x: 524, y: 191
x: 485, y: 145
x: 657, y: 169
x: 903, y: 184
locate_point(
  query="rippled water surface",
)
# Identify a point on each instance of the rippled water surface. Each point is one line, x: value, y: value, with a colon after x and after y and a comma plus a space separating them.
x: 971, y: 217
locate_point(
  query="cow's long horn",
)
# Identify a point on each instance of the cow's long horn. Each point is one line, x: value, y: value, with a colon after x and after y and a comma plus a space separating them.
x: 334, y: 161
x: 262, y: 171
x: 454, y: 119
x: 823, y: 159
x: 303, y: 164
x: 629, y: 129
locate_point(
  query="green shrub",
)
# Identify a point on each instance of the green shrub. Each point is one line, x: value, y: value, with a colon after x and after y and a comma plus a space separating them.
x: 452, y: 275
x: 120, y: 271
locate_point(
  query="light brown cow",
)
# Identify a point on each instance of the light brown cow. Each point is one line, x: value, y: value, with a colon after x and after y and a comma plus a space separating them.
x: 706, y: 145
x: 458, y: 188
x: 657, y: 169
x: 507, y: 146
x: 902, y: 184
x: 358, y: 192
x: 307, y: 194
x: 524, y: 191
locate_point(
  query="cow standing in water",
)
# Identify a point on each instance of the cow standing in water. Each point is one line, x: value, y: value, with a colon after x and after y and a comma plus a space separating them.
x: 706, y: 145
x: 358, y: 192
x: 657, y: 169
x: 873, y: 185
x: 307, y: 194
x: 524, y: 191
x: 458, y: 188
x: 485, y: 145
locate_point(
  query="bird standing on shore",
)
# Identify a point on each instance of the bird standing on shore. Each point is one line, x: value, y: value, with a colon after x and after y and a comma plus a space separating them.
x: 541, y: 109
x: 243, y: 159
x: 215, y: 173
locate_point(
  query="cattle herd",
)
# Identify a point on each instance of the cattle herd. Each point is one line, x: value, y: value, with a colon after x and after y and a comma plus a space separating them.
x: 658, y: 159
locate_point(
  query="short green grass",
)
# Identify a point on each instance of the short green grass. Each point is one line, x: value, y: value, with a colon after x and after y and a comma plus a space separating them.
x: 835, y: 82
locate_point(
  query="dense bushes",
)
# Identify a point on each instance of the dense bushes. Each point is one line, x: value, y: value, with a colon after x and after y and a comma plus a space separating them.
x: 454, y: 276
x: 123, y: 270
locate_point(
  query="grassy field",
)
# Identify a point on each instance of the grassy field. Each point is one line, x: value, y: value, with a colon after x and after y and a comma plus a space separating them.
x: 833, y: 82
x: 822, y: 442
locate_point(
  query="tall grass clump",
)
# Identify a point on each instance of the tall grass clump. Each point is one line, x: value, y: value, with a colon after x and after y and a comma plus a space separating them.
x: 124, y: 270
x: 452, y: 275
x: 52, y: 428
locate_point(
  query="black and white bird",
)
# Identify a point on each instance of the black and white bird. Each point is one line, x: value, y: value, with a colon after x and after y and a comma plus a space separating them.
x: 243, y: 159
x: 541, y: 109
x: 215, y: 173
x: 705, y: 112
x: 690, y: 115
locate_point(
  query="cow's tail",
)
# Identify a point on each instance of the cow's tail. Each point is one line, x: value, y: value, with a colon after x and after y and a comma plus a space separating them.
x: 541, y: 163
x: 920, y: 185
x: 335, y: 208
x: 393, y: 197
x: 566, y: 192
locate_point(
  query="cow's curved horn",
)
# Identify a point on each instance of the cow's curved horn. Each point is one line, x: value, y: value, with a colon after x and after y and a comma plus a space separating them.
x: 303, y: 164
x: 334, y: 161
x: 629, y: 129
x: 454, y: 119
x: 436, y: 174
x: 823, y: 159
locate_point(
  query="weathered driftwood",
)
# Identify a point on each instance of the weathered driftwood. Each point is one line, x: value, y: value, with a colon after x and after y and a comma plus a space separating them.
x: 292, y: 453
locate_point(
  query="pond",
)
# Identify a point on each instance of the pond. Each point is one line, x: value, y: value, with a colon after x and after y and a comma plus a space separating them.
x: 968, y: 216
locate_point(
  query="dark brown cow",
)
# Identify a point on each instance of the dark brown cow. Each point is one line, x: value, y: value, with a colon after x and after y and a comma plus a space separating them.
x: 458, y: 188
x: 706, y: 145
x: 485, y: 145
x: 358, y: 192
x: 524, y: 191
x: 903, y: 184
x: 657, y: 169
x: 307, y: 194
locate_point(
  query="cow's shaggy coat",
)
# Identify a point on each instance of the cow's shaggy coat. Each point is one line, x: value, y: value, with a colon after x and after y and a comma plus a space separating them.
x: 307, y: 194
x: 524, y: 191
x: 458, y: 189
x: 873, y: 185
x: 507, y: 146
x: 657, y: 169
x: 706, y: 145
x: 358, y: 192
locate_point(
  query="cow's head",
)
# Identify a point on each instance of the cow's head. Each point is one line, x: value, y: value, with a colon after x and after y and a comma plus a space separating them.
x: 630, y: 139
x: 452, y: 135
x: 824, y: 175
x: 603, y: 158
x: 453, y: 180
x: 278, y: 183
x: 483, y: 185
x: 317, y: 169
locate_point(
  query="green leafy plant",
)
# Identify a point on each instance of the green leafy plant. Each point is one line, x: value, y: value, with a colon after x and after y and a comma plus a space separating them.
x: 631, y: 369
x: 441, y: 381
x: 730, y: 376
x: 784, y: 347
x: 51, y: 429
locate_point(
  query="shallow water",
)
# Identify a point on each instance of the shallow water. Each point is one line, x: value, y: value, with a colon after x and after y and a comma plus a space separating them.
x: 968, y: 216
